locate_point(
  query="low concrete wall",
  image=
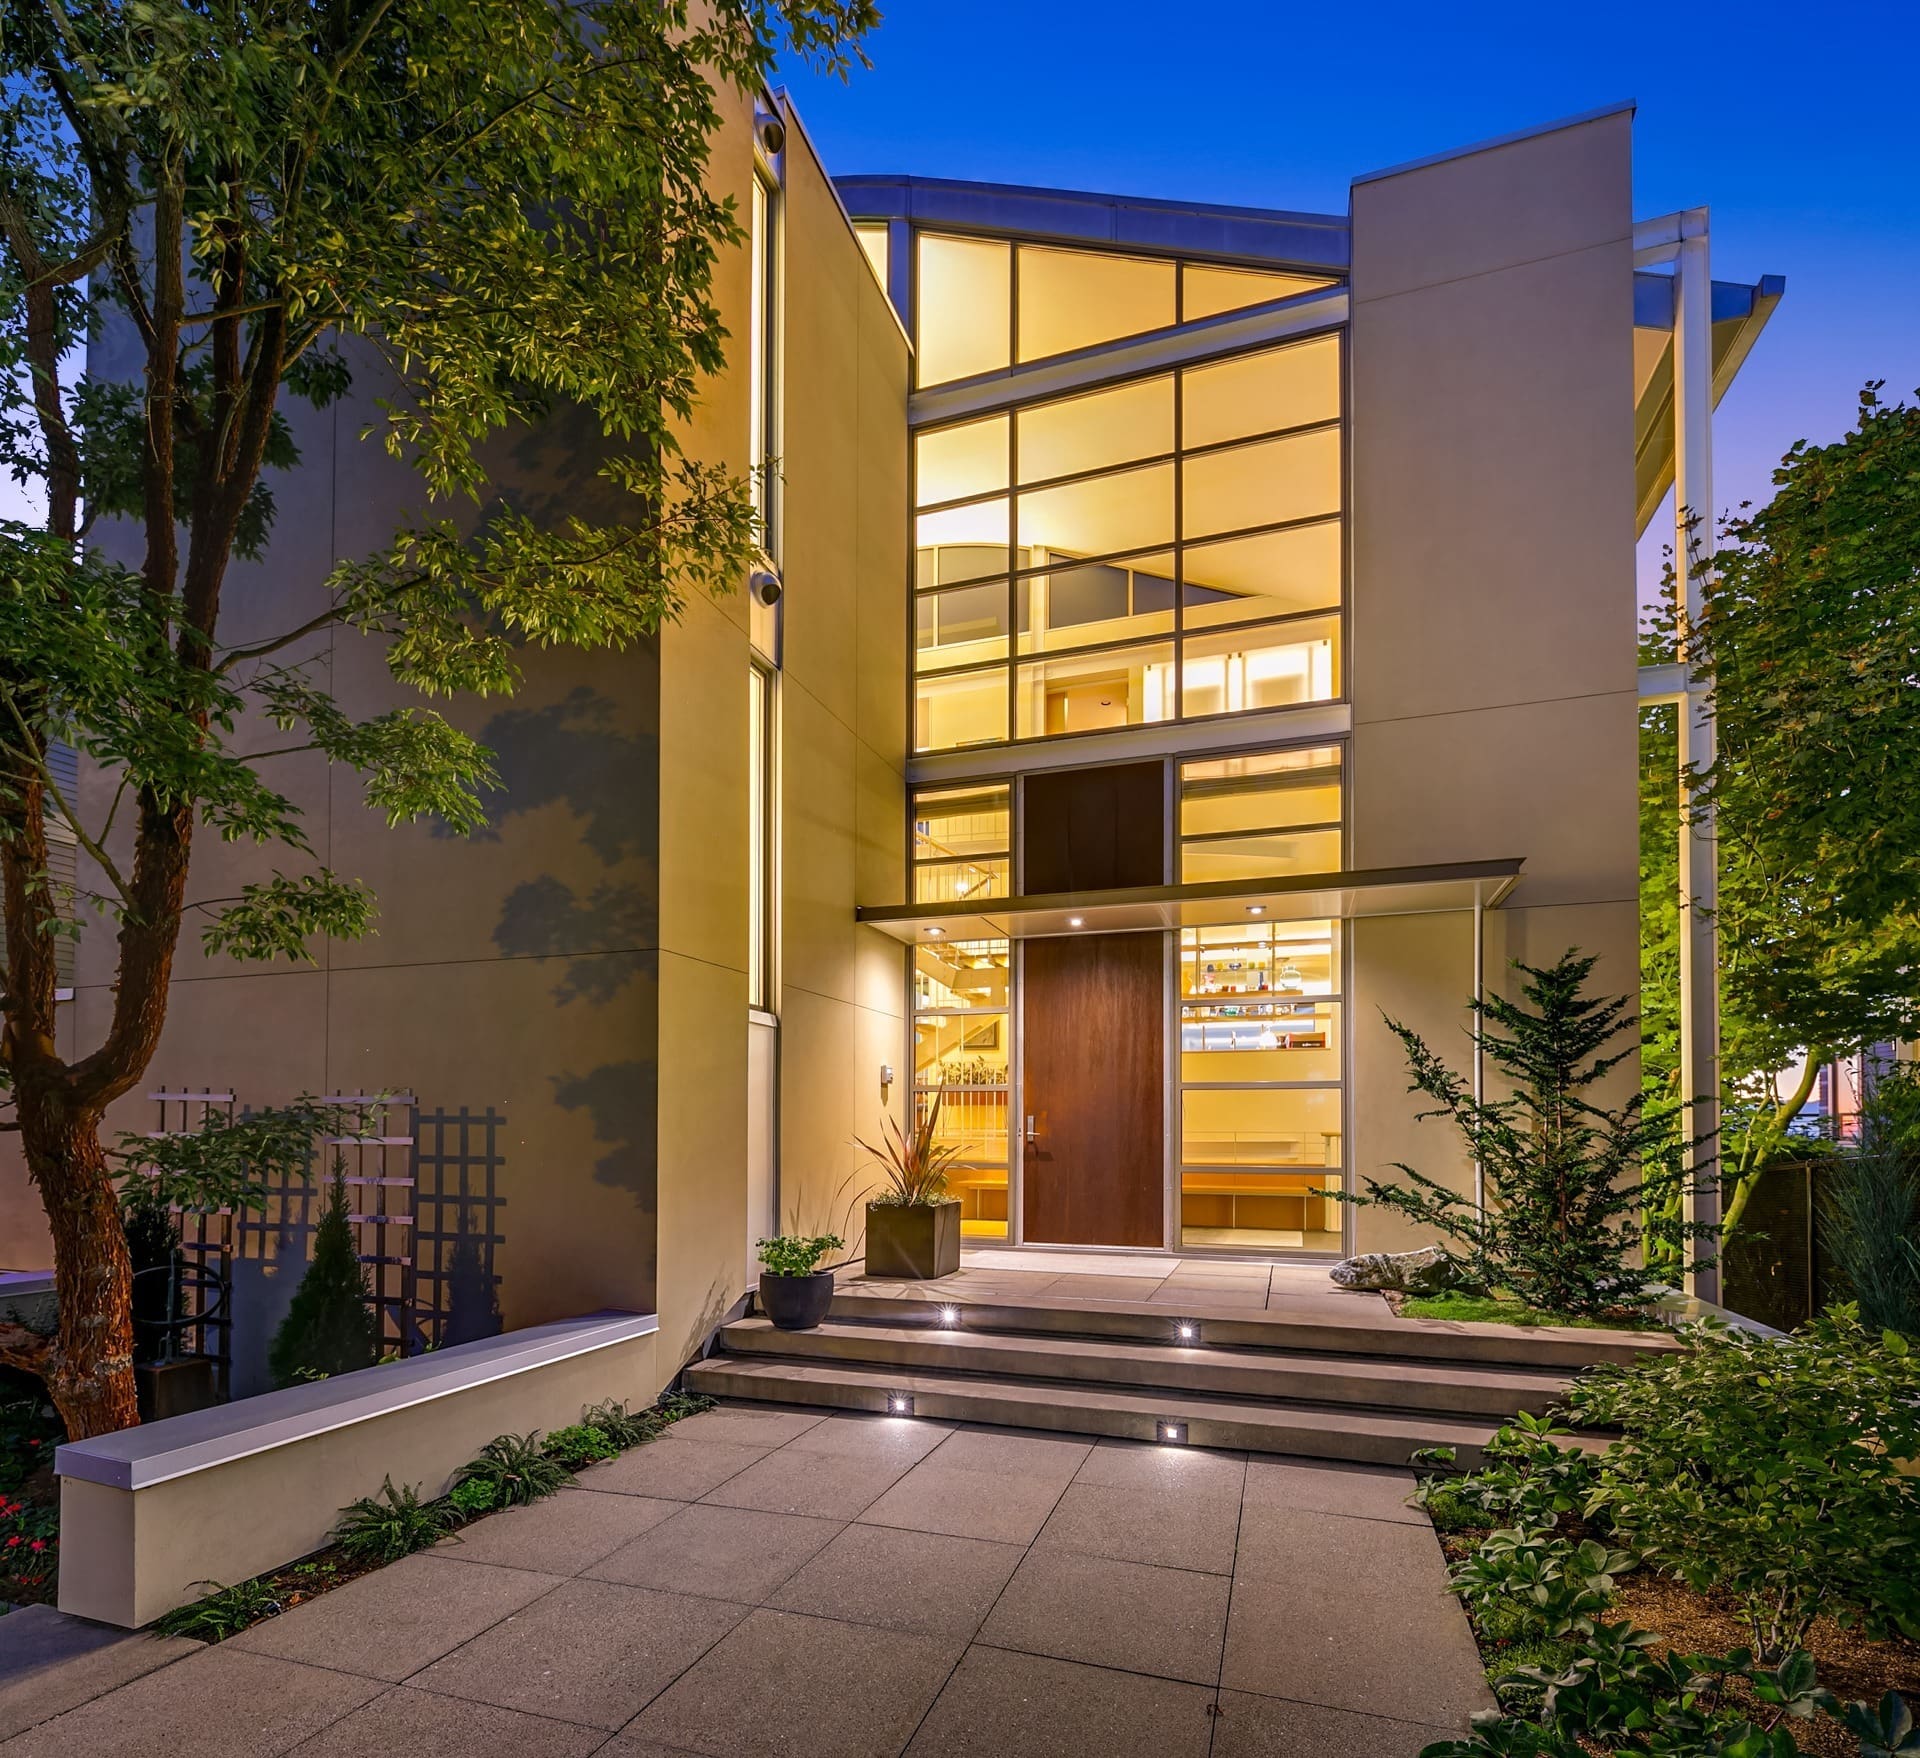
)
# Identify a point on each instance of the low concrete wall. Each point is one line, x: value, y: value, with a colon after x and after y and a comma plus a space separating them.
x: 149, y: 1516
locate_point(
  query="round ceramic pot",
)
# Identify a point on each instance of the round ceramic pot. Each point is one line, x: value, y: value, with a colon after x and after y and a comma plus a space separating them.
x: 796, y: 1303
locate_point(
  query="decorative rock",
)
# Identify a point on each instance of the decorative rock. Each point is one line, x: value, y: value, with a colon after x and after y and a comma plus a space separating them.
x: 1408, y: 1272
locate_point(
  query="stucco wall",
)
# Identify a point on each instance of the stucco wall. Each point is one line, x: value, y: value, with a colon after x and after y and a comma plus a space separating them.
x: 1493, y: 657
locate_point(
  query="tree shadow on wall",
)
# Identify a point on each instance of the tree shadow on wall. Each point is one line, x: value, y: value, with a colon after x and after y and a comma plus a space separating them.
x: 574, y: 753
x: 622, y: 1100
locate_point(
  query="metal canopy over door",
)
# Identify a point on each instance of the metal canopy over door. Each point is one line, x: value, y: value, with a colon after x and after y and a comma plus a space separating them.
x: 1093, y: 1016
x: 1093, y: 1031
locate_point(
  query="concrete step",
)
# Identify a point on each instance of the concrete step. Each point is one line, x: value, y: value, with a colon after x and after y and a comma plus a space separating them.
x: 1381, y: 1382
x: 1298, y: 1430
x: 1566, y: 1349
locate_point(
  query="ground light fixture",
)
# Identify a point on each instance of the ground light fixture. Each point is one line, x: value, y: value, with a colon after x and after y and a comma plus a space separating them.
x: 1170, y: 1433
x: 899, y: 1403
x: 949, y: 1316
x: 1189, y: 1331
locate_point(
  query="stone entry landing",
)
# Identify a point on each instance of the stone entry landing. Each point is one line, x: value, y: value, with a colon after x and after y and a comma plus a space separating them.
x: 762, y: 1583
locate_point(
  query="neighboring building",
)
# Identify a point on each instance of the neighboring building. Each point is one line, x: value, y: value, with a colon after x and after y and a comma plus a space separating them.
x: 1221, y: 635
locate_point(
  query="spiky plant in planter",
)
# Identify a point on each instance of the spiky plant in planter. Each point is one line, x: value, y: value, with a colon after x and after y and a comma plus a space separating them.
x: 913, y: 1226
x: 330, y: 1328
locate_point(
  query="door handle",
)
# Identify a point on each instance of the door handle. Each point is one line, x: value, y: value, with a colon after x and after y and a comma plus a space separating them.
x: 1033, y: 1134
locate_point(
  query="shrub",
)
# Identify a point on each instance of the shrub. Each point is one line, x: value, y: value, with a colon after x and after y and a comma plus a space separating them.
x: 625, y: 1428
x: 516, y: 1468
x: 675, y: 1405
x: 1870, y: 1226
x: 391, y: 1525
x: 1528, y: 1479
x: 795, y: 1254
x: 226, y: 1611
x: 580, y: 1444
x: 1568, y: 1180
x: 329, y: 1328
x: 473, y: 1498
x: 1764, y: 1468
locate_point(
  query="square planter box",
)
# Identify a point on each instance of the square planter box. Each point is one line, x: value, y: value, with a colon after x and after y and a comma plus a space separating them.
x: 915, y: 1244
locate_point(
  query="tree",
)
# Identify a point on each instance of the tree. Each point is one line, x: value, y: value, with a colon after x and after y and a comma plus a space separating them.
x: 1568, y: 1180
x: 497, y: 209
x: 1811, y: 642
x: 330, y: 1328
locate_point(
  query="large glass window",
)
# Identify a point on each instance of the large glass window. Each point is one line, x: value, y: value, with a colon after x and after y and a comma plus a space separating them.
x: 962, y: 843
x: 962, y: 1056
x: 1076, y: 298
x: 1263, y: 815
x: 1206, y: 291
x: 1294, y: 386
x: 963, y: 323
x: 1262, y: 1141
x: 760, y: 838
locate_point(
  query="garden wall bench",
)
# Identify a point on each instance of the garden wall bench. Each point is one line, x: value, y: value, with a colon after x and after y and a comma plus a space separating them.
x: 150, y: 1515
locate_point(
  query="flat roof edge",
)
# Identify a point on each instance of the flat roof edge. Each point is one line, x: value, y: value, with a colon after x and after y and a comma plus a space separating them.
x: 1627, y: 106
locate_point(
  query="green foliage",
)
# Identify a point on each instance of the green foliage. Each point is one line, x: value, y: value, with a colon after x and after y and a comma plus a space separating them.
x: 517, y: 1469
x: 330, y: 1327
x: 1495, y: 1309
x: 676, y: 1405
x: 1870, y: 1226
x: 393, y: 1524
x: 1764, y: 1469
x: 580, y: 1444
x: 913, y: 1163
x: 1886, y: 1729
x: 499, y: 216
x: 1528, y: 1478
x: 1567, y: 1178
x: 1812, y: 620
x: 224, y: 1612
x: 625, y: 1428
x: 1557, y: 1586
x: 228, y: 1162
x: 473, y: 1498
x: 792, y: 1254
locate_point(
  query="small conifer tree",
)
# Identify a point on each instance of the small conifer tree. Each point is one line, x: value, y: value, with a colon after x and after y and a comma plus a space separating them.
x: 330, y: 1327
x: 1568, y: 1180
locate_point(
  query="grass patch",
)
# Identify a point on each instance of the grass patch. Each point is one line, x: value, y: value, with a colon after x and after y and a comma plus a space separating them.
x: 1510, y: 1640
x: 1495, y: 1309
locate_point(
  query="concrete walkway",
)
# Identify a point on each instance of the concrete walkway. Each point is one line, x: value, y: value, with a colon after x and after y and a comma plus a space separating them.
x: 760, y: 1583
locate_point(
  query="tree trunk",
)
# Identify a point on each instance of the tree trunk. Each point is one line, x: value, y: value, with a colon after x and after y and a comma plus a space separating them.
x: 89, y: 1372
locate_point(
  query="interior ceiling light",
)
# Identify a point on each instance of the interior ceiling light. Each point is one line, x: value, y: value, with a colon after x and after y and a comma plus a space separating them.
x: 1076, y: 921
x: 1256, y: 909
x: 935, y: 933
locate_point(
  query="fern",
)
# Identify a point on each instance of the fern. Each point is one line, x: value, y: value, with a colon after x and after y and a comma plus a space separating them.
x: 516, y: 1468
x: 393, y: 1524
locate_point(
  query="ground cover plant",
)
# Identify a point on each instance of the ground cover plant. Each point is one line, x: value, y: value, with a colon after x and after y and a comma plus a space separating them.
x: 375, y: 1530
x: 1494, y: 1309
x: 29, y: 1494
x: 1751, y: 1513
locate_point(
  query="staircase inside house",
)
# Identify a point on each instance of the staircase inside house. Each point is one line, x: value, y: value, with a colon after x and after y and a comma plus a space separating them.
x: 1331, y: 1377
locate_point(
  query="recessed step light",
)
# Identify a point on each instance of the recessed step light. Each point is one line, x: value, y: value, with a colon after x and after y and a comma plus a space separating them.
x: 1170, y: 1433
x: 899, y: 1403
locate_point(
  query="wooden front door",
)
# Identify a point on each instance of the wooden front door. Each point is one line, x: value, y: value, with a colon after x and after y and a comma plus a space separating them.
x: 1093, y: 1028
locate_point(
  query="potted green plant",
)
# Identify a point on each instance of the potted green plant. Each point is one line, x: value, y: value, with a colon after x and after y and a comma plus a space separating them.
x: 794, y: 1291
x: 913, y: 1226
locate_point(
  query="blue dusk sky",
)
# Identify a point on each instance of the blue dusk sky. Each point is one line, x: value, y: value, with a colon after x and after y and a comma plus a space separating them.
x: 1796, y: 129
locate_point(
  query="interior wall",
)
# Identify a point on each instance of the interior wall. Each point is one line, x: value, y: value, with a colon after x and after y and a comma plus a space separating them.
x: 1493, y: 660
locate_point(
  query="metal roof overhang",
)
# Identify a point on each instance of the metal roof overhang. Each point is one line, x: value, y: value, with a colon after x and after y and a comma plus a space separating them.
x: 1740, y: 313
x: 1377, y: 891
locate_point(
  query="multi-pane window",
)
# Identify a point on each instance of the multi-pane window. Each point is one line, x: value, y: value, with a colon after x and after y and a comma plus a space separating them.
x: 763, y: 361
x: 1261, y: 1133
x: 962, y: 848
x: 1262, y: 815
x: 1167, y: 548
x: 962, y: 1053
x: 984, y: 304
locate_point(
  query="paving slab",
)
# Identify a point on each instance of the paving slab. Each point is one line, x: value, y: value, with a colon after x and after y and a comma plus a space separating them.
x: 1000, y: 1704
x: 563, y: 1533
x: 50, y: 1661
x: 968, y: 1504
x: 1182, y: 1470
x: 1366, y: 1492
x: 1014, y: 1452
x: 219, y: 1703
x: 783, y: 1684
x: 744, y: 1426
x: 1268, y: 1727
x: 398, y: 1619
x: 828, y: 1486
x: 1351, y: 1614
x: 674, y: 1471
x: 929, y: 1583
x: 739, y: 1554
x: 405, y: 1723
x: 590, y: 1651
x: 1155, y: 1526
x: 1166, y: 1622
x: 906, y: 1438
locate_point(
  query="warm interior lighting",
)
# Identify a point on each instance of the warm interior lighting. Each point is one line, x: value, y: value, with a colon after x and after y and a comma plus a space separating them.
x: 1170, y: 1434
x: 935, y: 933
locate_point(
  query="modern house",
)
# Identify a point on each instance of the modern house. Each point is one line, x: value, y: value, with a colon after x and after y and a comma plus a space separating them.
x: 1186, y: 634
